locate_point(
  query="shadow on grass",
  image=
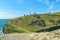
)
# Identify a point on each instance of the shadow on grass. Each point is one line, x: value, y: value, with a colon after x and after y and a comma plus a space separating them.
x: 49, y: 29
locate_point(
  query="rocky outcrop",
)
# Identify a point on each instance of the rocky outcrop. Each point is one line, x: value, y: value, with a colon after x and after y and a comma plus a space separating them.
x: 31, y: 36
x: 38, y: 23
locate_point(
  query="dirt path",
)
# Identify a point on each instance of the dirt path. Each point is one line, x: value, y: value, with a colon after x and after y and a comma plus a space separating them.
x: 18, y: 27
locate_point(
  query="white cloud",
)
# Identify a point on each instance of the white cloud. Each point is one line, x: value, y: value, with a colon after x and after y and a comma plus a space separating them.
x: 50, y: 7
x: 7, y: 15
x: 49, y: 3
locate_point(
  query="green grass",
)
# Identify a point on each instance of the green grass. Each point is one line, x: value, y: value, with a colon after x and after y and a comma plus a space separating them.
x: 11, y: 29
x: 58, y: 13
x: 24, y: 22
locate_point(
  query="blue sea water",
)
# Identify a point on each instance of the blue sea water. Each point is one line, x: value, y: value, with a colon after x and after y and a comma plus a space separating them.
x: 2, y: 22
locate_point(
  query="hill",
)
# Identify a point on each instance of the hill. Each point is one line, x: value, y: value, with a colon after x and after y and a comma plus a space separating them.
x: 33, y: 23
x: 57, y: 13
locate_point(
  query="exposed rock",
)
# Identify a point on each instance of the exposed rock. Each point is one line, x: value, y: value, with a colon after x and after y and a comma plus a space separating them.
x: 31, y: 36
x: 54, y: 22
x: 38, y: 22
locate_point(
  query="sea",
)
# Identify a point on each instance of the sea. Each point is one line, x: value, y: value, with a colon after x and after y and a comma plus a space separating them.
x: 2, y: 22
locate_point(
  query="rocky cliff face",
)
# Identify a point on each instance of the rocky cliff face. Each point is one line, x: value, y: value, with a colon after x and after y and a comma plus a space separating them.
x: 31, y: 36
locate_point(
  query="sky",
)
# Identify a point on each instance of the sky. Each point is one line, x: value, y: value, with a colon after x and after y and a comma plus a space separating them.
x: 14, y: 8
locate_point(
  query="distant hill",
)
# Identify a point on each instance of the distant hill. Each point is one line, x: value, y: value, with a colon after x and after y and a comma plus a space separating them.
x: 58, y: 13
x: 33, y: 23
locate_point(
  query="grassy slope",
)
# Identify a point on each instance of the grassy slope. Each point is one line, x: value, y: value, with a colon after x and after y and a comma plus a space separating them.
x: 57, y: 13
x: 23, y: 22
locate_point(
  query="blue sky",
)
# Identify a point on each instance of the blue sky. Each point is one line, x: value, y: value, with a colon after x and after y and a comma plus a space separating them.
x: 15, y: 8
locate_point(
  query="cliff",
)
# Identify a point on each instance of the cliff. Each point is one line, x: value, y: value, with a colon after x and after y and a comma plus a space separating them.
x: 33, y: 23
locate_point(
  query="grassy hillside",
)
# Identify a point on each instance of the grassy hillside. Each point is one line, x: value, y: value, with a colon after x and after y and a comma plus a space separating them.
x: 32, y: 23
x: 57, y: 13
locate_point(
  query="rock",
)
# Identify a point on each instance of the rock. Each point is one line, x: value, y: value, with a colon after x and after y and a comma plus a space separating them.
x: 38, y: 22
x: 31, y: 36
